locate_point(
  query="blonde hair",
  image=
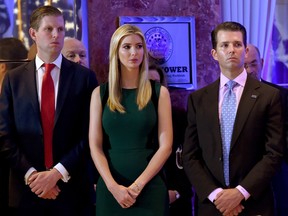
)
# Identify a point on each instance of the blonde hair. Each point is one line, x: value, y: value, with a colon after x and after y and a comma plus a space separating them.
x: 144, y: 90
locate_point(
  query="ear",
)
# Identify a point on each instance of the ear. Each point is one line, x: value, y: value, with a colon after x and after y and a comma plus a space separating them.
x: 32, y: 33
x: 246, y: 51
x: 214, y: 54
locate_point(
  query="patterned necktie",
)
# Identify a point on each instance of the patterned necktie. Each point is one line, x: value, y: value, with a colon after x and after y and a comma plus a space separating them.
x: 227, y: 123
x: 47, y: 113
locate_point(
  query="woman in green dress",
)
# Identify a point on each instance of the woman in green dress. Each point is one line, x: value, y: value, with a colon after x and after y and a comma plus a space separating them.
x: 121, y: 130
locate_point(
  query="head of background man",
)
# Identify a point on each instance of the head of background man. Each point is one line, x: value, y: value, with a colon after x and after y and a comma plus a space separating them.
x: 11, y: 49
x: 253, y: 62
x: 75, y: 51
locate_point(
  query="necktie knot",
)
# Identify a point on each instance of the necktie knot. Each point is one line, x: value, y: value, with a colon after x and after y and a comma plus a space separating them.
x: 48, y: 67
x: 231, y: 84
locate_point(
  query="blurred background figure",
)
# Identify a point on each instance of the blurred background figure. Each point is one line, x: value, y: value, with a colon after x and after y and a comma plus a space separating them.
x: 74, y: 50
x: 11, y: 49
x: 253, y: 65
x: 156, y: 73
x: 253, y: 62
x: 179, y: 188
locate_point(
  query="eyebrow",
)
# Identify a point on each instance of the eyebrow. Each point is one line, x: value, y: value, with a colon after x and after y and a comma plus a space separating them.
x: 132, y: 43
x: 222, y: 42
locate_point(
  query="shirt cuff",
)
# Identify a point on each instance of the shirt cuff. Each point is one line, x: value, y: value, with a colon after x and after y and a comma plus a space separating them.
x: 63, y: 171
x: 212, y: 196
x: 243, y: 192
x: 28, y: 173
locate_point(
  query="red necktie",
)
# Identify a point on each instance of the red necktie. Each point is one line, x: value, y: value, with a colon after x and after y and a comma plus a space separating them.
x: 47, y: 113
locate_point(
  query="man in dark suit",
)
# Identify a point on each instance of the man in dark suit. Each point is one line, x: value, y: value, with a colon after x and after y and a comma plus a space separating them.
x: 253, y: 65
x: 10, y: 49
x: 60, y: 185
x: 256, y: 145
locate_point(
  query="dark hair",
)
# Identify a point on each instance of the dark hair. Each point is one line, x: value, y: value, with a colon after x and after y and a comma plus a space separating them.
x: 228, y: 26
x: 163, y: 80
x: 12, y: 49
x: 40, y: 12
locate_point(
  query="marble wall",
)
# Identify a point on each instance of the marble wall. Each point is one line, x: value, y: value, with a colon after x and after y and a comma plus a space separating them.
x: 103, y: 20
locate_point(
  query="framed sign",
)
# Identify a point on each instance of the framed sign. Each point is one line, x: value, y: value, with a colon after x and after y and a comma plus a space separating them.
x: 171, y: 45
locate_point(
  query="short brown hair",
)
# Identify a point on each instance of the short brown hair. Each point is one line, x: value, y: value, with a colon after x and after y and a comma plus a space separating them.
x: 40, y: 12
x: 228, y: 26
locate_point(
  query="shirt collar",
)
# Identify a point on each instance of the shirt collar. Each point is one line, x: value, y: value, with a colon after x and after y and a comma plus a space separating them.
x: 39, y: 63
x: 240, y: 79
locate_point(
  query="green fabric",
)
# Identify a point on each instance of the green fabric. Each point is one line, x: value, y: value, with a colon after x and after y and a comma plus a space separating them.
x: 128, y: 155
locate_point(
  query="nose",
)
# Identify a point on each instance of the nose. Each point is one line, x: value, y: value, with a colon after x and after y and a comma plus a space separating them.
x: 248, y: 68
x: 77, y: 59
x: 55, y: 33
x: 231, y: 48
x: 133, y: 51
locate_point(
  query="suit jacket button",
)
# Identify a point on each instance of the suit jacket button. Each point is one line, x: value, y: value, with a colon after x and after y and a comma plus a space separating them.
x: 220, y: 159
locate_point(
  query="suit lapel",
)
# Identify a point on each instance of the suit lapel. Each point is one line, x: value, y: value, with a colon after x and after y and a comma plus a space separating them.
x: 30, y: 74
x: 212, y: 105
x: 65, y: 79
x: 212, y: 102
x: 212, y: 117
x: 249, y: 97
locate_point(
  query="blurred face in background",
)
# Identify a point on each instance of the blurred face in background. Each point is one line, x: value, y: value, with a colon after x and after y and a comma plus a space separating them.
x: 253, y: 62
x: 154, y: 75
x: 74, y: 50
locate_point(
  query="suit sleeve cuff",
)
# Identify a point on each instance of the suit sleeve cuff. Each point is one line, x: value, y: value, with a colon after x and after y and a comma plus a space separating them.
x: 243, y: 192
x: 28, y: 173
x: 63, y: 171
x: 213, y: 194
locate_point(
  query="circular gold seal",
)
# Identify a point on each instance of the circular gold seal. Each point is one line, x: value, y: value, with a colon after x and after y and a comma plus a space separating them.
x: 159, y: 44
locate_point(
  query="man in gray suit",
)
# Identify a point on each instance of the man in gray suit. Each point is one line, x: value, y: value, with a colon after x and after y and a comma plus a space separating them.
x: 256, y: 145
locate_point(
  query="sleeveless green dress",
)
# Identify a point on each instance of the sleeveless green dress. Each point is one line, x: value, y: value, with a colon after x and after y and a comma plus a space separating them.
x: 128, y: 155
